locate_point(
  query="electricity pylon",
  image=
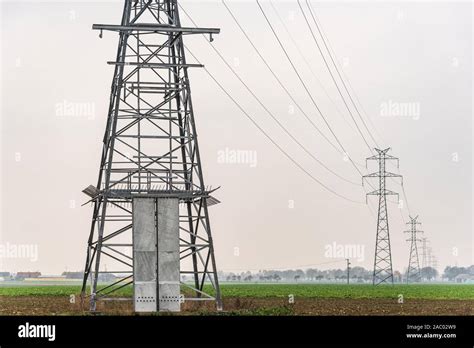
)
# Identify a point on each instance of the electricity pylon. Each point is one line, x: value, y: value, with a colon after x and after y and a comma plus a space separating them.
x: 150, y: 151
x: 424, y: 261
x: 414, y: 271
x: 433, y: 260
x: 383, y: 271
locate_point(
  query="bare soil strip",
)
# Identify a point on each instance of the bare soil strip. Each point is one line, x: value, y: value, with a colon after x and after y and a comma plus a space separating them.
x: 54, y: 305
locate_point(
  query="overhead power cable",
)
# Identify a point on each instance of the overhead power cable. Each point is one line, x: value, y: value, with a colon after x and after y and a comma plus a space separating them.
x: 269, y: 112
x: 306, y: 87
x: 332, y: 77
x: 276, y: 77
x: 289, y: 95
x: 310, y: 67
x: 342, y: 76
x: 338, y: 70
x: 331, y: 55
x: 296, y: 163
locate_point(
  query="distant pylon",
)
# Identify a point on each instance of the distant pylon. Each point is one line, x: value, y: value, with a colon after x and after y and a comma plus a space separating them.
x: 414, y: 271
x: 428, y: 257
x: 433, y: 260
x: 424, y: 261
x: 383, y: 271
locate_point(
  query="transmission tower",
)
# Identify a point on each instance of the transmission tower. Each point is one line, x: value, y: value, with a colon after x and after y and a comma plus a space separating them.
x: 150, y: 216
x: 433, y: 260
x: 383, y: 271
x: 414, y: 271
x: 424, y: 263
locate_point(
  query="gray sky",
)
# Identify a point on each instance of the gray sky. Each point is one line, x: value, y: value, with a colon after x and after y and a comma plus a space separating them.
x: 413, y: 54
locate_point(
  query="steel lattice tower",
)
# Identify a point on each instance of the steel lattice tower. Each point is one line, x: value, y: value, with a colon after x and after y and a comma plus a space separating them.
x: 433, y: 261
x: 424, y: 242
x: 383, y: 271
x: 414, y: 271
x: 150, y: 150
x: 424, y: 262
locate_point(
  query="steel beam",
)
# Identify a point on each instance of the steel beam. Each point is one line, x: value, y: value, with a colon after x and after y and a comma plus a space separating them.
x: 155, y: 28
x: 157, y: 65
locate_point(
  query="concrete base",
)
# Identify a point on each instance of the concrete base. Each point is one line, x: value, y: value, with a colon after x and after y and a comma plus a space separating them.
x: 156, y: 254
x: 168, y: 254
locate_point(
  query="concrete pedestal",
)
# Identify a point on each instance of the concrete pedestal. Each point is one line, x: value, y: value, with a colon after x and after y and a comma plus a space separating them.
x: 156, y: 254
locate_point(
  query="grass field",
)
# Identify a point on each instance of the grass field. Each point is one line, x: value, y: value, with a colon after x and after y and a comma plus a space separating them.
x: 362, y: 291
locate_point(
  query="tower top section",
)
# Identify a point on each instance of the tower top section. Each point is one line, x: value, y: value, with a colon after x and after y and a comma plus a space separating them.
x: 158, y: 16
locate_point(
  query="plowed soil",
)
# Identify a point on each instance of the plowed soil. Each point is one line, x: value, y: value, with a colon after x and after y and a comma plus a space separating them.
x: 57, y: 305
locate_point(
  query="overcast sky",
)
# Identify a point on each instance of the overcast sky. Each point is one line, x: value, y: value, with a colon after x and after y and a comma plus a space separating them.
x: 413, y: 55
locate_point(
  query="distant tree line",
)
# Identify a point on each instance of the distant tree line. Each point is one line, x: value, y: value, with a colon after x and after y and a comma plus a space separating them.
x: 453, y: 272
x: 357, y: 275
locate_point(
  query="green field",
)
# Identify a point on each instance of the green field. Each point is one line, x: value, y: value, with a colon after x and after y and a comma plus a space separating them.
x: 422, y: 291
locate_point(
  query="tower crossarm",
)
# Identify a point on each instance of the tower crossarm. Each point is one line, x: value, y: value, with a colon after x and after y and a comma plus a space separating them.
x: 382, y: 155
x: 414, y: 231
x: 413, y: 236
x: 385, y: 174
x: 413, y: 221
x: 165, y: 28
x: 380, y: 193
x: 155, y: 28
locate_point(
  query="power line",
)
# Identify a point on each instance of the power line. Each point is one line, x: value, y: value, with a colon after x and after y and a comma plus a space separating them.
x: 329, y: 49
x: 268, y: 111
x: 276, y: 77
x: 286, y: 91
x: 371, y: 209
x: 403, y: 191
x: 268, y: 66
x: 338, y: 73
x: 405, y: 196
x: 309, y: 65
x: 332, y: 76
x: 306, y: 88
x: 324, y: 36
x: 269, y: 137
x: 403, y: 218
